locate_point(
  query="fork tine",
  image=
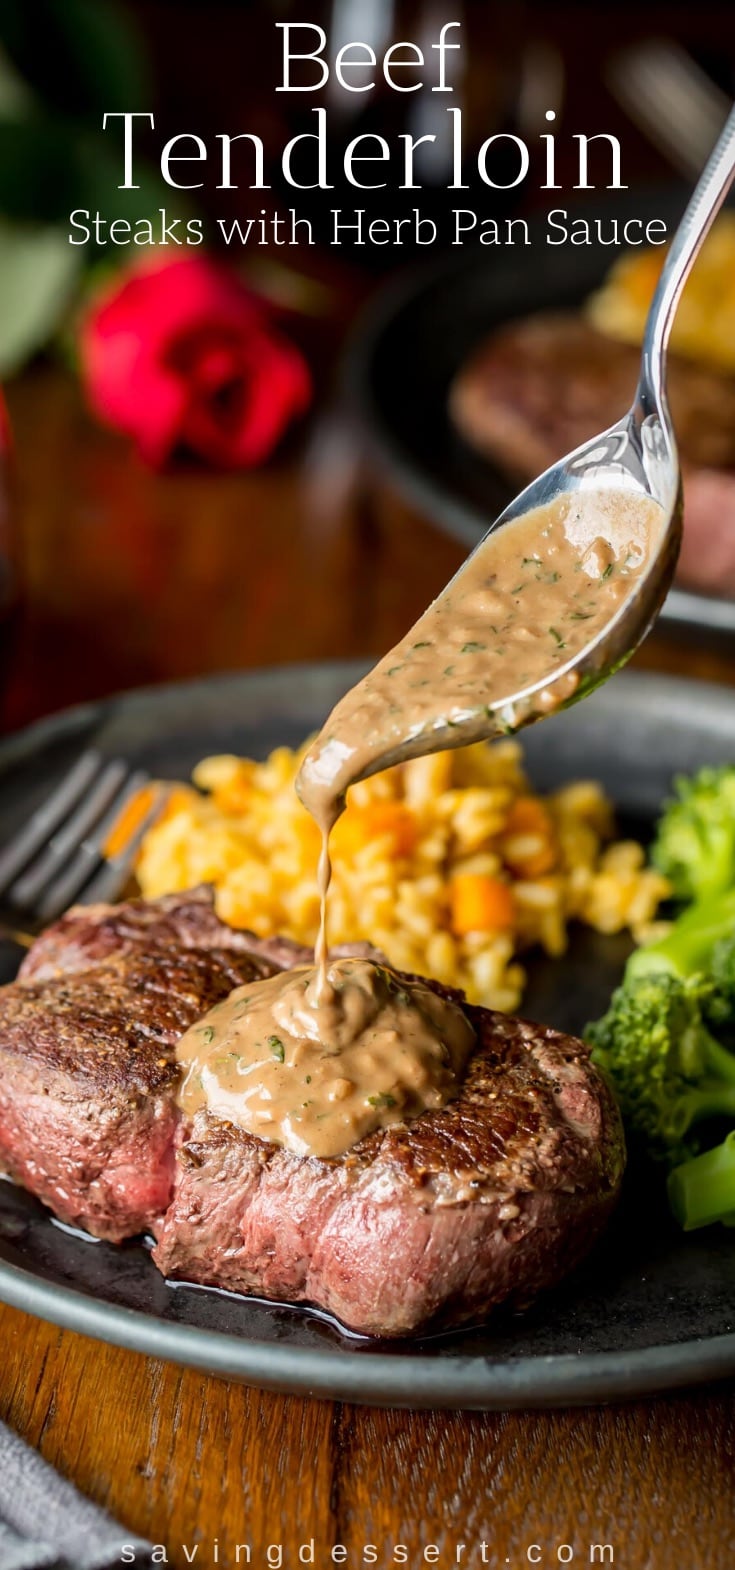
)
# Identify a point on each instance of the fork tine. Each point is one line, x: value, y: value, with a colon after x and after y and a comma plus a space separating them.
x: 114, y: 872
x: 35, y: 833
x: 62, y: 846
x: 76, y: 873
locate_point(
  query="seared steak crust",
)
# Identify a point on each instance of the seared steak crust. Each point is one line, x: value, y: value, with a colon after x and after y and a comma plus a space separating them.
x: 488, y: 1199
x: 88, y: 1074
x: 91, y: 934
x: 491, y: 1198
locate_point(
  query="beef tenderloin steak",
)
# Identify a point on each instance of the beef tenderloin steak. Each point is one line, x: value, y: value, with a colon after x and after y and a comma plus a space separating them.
x: 419, y: 1227
x: 537, y: 388
x: 88, y: 1074
x: 88, y: 935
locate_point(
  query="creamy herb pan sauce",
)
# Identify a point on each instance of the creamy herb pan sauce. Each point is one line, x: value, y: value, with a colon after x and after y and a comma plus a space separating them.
x: 533, y: 596
x: 316, y: 1058
x: 315, y: 1070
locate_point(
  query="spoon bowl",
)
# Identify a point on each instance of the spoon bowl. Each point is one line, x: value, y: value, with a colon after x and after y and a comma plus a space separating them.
x: 634, y: 461
x: 637, y: 455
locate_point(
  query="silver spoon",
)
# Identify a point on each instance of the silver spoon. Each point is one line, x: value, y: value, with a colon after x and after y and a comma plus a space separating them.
x: 637, y: 455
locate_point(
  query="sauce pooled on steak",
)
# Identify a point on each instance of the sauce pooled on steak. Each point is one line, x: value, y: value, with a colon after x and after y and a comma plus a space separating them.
x: 315, y: 1072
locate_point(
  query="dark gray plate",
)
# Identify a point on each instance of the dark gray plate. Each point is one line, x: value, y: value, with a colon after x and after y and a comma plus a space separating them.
x: 650, y: 1310
x: 418, y: 333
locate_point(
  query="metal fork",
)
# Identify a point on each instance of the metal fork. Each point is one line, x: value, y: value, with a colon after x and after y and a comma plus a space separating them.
x: 78, y: 846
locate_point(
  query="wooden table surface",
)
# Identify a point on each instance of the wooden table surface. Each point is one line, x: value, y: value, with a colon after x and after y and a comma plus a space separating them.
x: 131, y: 578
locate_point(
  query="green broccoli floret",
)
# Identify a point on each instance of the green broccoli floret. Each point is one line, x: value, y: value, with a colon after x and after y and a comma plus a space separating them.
x: 668, y: 1070
x: 695, y: 842
x: 658, y: 1039
x: 722, y: 965
x: 721, y: 970
x: 702, y: 1190
x: 690, y: 944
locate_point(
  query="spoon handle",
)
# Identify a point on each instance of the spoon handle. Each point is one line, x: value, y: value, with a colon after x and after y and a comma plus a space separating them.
x: 703, y: 206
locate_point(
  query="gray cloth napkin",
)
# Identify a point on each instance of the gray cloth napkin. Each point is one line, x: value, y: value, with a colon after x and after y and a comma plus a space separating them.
x: 46, y: 1525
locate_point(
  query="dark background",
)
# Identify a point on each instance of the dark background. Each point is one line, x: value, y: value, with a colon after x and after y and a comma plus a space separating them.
x: 118, y: 576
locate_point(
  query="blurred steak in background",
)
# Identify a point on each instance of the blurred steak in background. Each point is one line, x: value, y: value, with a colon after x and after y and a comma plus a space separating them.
x: 535, y: 389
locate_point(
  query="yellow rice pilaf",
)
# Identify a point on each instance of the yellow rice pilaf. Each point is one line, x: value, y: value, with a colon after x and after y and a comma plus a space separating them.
x: 451, y: 864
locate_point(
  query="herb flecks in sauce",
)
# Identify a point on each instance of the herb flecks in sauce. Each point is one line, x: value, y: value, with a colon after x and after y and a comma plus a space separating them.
x: 570, y: 565
x: 377, y: 1051
x: 576, y: 562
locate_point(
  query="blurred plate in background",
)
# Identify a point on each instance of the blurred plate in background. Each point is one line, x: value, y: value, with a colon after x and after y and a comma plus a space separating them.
x: 418, y: 334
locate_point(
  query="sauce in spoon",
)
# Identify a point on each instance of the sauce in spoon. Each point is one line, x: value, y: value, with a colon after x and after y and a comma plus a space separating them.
x: 526, y: 604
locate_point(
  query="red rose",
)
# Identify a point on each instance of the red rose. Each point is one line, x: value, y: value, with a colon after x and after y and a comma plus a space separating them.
x: 184, y: 359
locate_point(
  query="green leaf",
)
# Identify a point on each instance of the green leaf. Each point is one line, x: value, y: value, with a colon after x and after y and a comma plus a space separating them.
x: 49, y: 168
x: 81, y: 56
x: 99, y: 168
x: 38, y: 271
x: 16, y: 98
x: 37, y: 170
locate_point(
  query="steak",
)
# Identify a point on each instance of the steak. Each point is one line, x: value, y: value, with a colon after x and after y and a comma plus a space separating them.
x: 538, y: 388
x: 418, y: 1226
x: 421, y: 1226
x: 88, y: 1074
x: 89, y: 935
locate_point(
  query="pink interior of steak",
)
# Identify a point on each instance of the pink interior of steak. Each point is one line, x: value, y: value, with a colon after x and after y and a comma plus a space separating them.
x: 494, y: 1195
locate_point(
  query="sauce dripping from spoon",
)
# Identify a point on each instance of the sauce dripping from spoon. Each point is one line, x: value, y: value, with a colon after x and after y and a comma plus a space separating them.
x: 495, y: 649
x: 317, y: 1058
